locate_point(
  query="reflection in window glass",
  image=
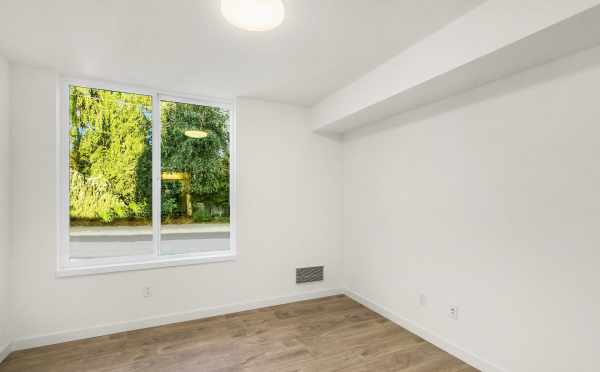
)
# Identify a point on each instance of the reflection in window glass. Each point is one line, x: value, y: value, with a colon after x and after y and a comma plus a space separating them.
x: 194, y: 178
x: 110, y: 173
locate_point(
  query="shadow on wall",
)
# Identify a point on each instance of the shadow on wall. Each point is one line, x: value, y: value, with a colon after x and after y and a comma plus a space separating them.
x: 542, y: 75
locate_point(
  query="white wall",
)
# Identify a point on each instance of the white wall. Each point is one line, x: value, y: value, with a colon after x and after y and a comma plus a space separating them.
x: 289, y: 215
x: 4, y: 205
x: 491, y: 202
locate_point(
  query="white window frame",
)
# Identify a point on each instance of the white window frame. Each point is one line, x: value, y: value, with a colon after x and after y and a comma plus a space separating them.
x: 65, y: 267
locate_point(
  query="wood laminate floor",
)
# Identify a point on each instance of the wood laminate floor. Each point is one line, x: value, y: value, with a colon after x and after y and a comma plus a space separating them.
x: 328, y: 334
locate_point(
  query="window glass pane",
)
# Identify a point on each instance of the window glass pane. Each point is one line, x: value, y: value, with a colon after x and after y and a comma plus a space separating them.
x: 110, y: 174
x: 194, y: 178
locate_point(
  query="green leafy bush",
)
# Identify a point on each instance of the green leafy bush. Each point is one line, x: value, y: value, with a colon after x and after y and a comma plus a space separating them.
x: 201, y: 216
x: 92, y: 198
x: 169, y: 207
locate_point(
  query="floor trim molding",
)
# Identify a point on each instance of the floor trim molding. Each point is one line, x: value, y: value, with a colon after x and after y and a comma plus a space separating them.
x: 4, y: 351
x: 102, y: 330
x: 422, y: 332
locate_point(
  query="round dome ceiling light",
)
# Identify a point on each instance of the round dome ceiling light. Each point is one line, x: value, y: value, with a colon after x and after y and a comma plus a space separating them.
x: 253, y: 15
x: 196, y: 134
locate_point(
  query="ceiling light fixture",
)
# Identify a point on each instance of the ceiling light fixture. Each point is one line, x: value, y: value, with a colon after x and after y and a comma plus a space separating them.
x: 253, y: 15
x: 196, y: 133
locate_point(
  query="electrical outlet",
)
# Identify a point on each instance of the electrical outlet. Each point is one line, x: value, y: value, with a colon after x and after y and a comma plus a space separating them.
x: 147, y: 292
x: 422, y: 300
x: 453, y: 312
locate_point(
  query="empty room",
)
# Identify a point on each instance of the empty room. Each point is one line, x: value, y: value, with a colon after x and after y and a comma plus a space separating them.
x: 300, y: 185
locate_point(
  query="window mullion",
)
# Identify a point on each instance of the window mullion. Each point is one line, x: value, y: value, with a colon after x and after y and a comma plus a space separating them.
x: 156, y: 173
x: 64, y: 178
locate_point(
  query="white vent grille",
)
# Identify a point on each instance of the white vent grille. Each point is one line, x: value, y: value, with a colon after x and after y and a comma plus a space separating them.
x: 309, y: 274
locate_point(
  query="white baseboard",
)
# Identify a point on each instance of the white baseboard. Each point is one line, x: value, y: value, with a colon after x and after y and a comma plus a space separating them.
x: 4, y: 351
x: 442, y: 343
x: 102, y: 330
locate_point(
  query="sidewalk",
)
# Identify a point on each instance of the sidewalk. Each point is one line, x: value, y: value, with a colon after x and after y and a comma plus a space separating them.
x: 83, y: 231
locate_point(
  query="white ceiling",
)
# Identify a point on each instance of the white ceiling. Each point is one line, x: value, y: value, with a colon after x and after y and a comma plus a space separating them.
x: 186, y: 46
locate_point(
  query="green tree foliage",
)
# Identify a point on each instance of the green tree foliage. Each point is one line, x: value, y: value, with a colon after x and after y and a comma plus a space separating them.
x: 92, y: 198
x: 111, y: 156
x: 206, y: 160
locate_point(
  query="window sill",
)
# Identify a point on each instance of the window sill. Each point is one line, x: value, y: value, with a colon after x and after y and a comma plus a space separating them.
x: 72, y: 271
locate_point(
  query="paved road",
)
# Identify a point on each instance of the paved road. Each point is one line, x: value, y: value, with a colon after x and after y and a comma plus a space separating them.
x: 96, y: 242
x: 142, y: 230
